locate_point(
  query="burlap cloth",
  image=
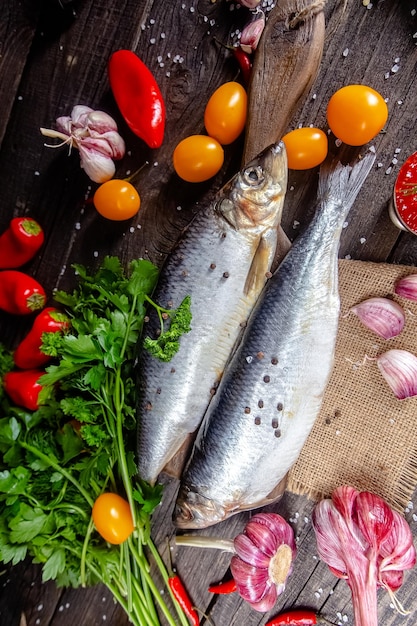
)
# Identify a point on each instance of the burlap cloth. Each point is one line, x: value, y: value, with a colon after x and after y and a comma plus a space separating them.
x: 363, y: 436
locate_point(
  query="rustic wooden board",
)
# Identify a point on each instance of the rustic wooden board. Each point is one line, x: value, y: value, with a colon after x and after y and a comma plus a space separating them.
x: 54, y: 55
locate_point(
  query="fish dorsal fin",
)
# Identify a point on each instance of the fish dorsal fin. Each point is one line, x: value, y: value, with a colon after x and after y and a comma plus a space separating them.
x: 259, y: 267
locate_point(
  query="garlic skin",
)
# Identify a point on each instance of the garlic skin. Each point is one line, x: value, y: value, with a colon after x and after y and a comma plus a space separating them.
x: 399, y: 369
x: 249, y: 4
x: 95, y: 135
x: 382, y: 316
x: 251, y: 34
x: 365, y: 542
x: 407, y: 287
x: 264, y: 557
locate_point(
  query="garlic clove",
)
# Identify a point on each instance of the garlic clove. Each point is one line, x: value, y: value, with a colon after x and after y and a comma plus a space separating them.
x: 381, y: 315
x: 80, y: 114
x: 399, y: 369
x: 98, y: 167
x: 249, y: 4
x: 265, y: 552
x: 251, y: 34
x: 100, y: 122
x: 407, y: 287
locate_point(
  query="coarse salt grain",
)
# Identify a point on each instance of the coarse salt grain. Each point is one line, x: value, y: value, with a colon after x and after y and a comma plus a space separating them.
x: 345, y: 52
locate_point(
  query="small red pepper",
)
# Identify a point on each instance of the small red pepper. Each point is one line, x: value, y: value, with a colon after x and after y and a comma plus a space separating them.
x: 23, y: 388
x: 245, y: 63
x: 28, y: 354
x: 223, y: 588
x: 20, y: 242
x: 180, y: 594
x: 296, y: 617
x: 20, y: 294
x: 138, y: 96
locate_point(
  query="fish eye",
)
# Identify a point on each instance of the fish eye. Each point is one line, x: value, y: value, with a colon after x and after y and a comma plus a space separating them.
x: 254, y: 175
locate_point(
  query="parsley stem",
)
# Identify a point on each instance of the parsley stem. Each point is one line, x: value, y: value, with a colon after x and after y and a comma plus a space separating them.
x: 144, y: 567
x: 49, y: 461
x: 83, y: 559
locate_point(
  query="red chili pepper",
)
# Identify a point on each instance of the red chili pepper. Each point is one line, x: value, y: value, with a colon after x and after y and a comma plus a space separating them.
x: 180, y: 594
x: 245, y: 63
x: 20, y: 242
x: 227, y: 587
x: 138, y: 96
x: 28, y: 354
x: 23, y: 388
x: 20, y: 294
x: 296, y: 617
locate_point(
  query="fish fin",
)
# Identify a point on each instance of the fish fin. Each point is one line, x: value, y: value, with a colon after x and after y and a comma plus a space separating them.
x: 176, y: 464
x: 338, y: 181
x: 273, y: 496
x: 260, y: 265
x: 278, y: 491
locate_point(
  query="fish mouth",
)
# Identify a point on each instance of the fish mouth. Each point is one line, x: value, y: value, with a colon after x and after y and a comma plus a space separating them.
x: 194, y: 511
x: 261, y: 183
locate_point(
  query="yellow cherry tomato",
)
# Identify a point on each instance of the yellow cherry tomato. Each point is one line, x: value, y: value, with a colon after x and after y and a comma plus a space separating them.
x: 356, y: 114
x: 225, y: 112
x: 197, y: 158
x: 117, y: 200
x: 306, y: 148
x: 112, y: 518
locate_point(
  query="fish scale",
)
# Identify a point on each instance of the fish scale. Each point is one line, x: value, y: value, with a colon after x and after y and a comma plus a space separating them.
x: 271, y: 392
x: 221, y: 262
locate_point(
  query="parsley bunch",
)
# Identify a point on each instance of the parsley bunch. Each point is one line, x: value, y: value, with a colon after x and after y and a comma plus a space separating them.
x: 57, y: 460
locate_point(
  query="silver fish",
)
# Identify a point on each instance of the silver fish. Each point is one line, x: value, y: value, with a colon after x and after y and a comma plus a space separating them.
x: 222, y: 262
x: 271, y: 392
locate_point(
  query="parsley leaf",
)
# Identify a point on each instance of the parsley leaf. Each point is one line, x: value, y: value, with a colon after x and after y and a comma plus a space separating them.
x: 56, y: 461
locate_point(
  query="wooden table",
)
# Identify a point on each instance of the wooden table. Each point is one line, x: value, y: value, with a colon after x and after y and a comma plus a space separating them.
x: 53, y: 56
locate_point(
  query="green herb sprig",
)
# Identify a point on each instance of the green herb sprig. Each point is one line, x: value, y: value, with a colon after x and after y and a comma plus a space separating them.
x: 57, y: 460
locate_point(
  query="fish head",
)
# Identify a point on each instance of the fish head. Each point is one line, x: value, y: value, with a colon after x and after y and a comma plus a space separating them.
x: 255, y: 195
x: 193, y: 510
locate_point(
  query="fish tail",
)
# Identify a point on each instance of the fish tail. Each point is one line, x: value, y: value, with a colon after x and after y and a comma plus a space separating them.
x: 341, y: 183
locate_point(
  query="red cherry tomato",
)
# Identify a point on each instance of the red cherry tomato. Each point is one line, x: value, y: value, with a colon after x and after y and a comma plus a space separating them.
x: 356, y: 114
x: 112, y: 518
x: 306, y: 148
x: 197, y: 158
x: 225, y: 112
x: 117, y: 200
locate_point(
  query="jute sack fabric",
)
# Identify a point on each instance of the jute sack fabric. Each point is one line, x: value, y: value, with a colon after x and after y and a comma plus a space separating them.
x: 363, y: 436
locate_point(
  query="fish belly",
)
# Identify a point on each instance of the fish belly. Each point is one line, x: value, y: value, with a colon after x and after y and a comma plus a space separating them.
x: 210, y: 265
x: 270, y: 395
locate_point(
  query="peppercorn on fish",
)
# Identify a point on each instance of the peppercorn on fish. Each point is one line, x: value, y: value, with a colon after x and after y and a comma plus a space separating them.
x: 271, y: 393
x: 221, y: 262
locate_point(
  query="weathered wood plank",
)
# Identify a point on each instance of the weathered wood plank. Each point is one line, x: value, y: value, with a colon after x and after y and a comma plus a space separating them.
x: 17, y: 28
